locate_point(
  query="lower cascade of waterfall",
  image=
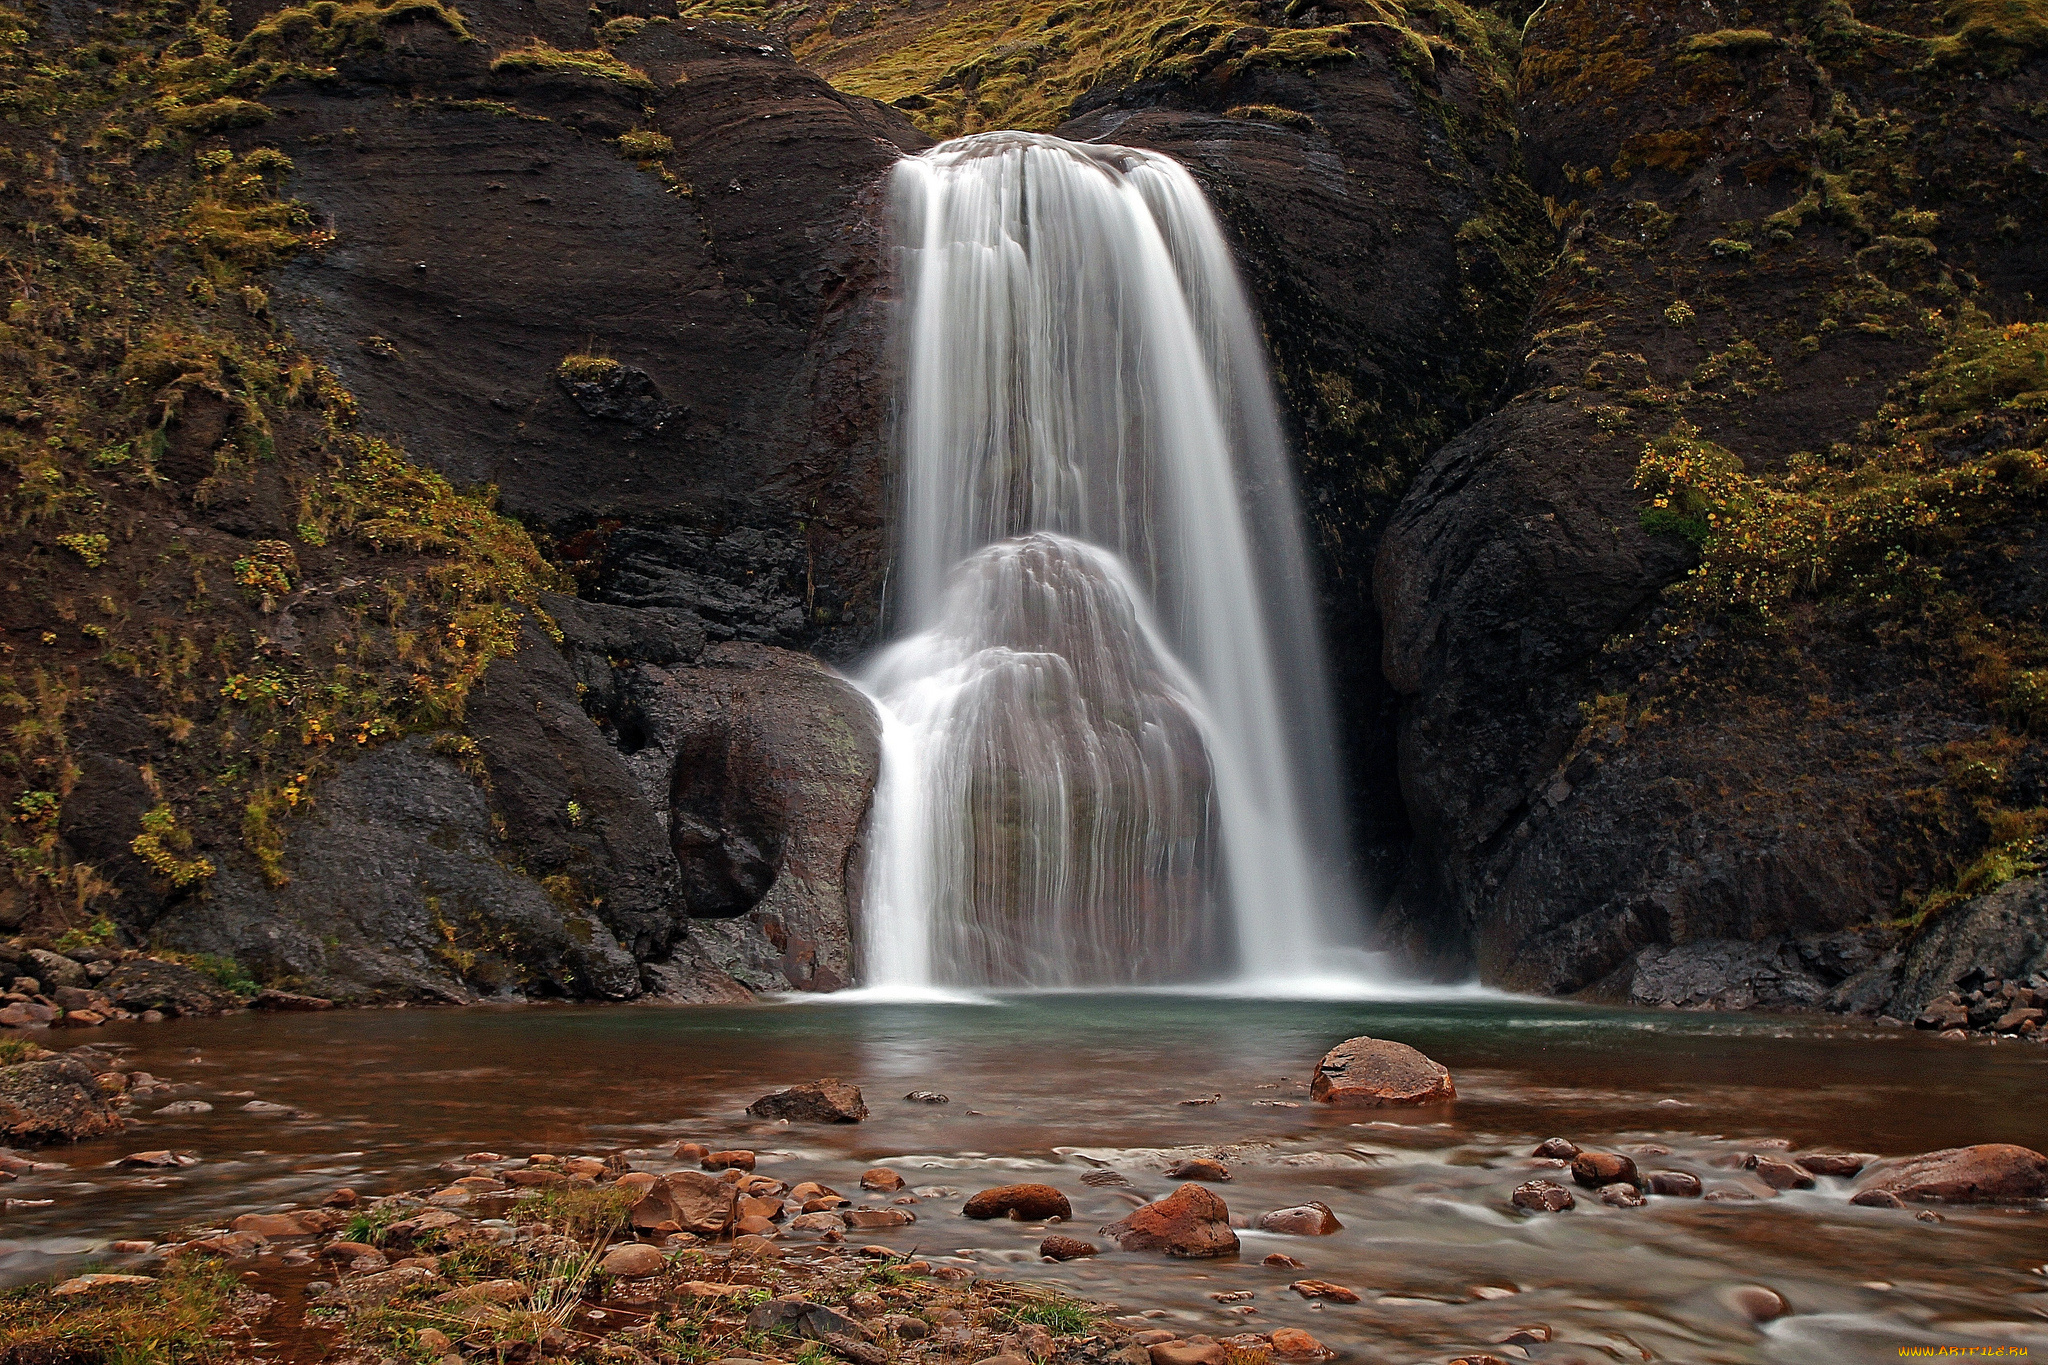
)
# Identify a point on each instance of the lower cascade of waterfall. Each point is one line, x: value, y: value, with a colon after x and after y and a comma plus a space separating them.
x: 1107, y: 755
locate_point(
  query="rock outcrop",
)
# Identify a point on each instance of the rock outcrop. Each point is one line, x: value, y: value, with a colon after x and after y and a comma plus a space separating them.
x: 1993, y: 1173
x: 1192, y: 1222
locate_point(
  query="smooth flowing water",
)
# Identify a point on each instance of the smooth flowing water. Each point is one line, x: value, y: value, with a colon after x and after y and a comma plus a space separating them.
x: 1053, y: 1087
x: 1107, y: 753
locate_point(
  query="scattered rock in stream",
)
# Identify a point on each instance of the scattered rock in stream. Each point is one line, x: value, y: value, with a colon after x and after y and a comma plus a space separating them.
x: 56, y: 1099
x: 1313, y: 1219
x: 1031, y: 1203
x: 1192, y: 1221
x: 822, y: 1101
x: 1542, y: 1196
x: 1368, y: 1072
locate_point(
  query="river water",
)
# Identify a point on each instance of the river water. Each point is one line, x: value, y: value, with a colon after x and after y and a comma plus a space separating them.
x: 1046, y: 1087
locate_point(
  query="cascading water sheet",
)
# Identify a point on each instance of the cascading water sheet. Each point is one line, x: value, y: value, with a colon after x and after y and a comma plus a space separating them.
x: 1106, y: 752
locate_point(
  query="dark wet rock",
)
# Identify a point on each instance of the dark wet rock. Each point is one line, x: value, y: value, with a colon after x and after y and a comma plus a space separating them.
x: 286, y: 1001
x: 766, y: 763
x: 1556, y: 1149
x: 1191, y: 1222
x: 1031, y: 1203
x: 1103, y: 1178
x: 1595, y: 1169
x: 1199, y: 1168
x: 147, y: 984
x: 2002, y: 935
x: 1675, y: 1184
x: 54, y: 970
x: 822, y: 1101
x: 1313, y: 1219
x: 53, y: 1100
x: 1835, y: 1163
x: 1065, y: 1248
x: 1991, y: 1173
x: 396, y: 829
x: 1542, y: 1196
x: 881, y: 1179
x: 1876, y: 1199
x: 1280, y: 1260
x: 1368, y: 1072
x: 928, y: 1097
x: 1622, y: 1194
x: 1724, y: 974
x: 1779, y: 1175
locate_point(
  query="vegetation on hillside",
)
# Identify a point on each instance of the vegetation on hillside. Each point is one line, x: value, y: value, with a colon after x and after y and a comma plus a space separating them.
x: 197, y: 527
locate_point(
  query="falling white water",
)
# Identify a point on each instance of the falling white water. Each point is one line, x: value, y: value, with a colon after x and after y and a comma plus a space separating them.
x: 1106, y: 753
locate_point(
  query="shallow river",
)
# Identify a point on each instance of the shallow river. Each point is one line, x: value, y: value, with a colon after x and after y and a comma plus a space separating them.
x: 1047, y: 1087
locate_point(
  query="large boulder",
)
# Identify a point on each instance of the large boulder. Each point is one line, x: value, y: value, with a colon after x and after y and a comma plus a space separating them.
x: 1990, y: 1173
x: 53, y: 1100
x: 824, y: 1101
x: 1192, y: 1222
x: 1367, y: 1072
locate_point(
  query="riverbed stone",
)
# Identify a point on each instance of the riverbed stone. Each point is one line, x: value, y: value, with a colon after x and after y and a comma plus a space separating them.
x: 1188, y: 1353
x: 1675, y: 1184
x: 1031, y: 1203
x: 1542, y: 1196
x: 1324, y: 1289
x: 633, y: 1261
x: 53, y: 1100
x: 1556, y: 1149
x: 1990, y: 1173
x: 1622, y: 1194
x: 686, y: 1201
x: 736, y: 1159
x: 370, y: 1290
x: 1313, y: 1219
x: 1594, y: 1169
x: 1192, y: 1222
x: 1058, y: 1248
x: 1371, y: 1072
x: 1199, y: 1168
x: 821, y: 1101
x: 881, y: 1179
x: 86, y: 1284
x: 1836, y: 1163
x: 1298, y: 1345
x: 55, y: 970
x: 1779, y: 1175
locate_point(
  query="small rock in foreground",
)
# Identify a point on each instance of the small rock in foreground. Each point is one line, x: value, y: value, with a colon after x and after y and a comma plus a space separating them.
x: 1065, y: 1248
x: 1368, y: 1072
x: 633, y: 1261
x: 85, y: 1284
x: 1323, y: 1289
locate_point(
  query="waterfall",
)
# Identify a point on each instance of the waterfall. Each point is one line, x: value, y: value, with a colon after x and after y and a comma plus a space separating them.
x: 1107, y: 756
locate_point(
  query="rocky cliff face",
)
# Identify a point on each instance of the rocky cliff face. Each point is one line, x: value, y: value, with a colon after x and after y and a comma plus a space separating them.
x: 1787, y: 234
x: 1611, y: 344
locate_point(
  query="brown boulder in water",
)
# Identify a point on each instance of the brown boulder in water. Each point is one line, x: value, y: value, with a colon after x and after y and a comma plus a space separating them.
x: 1366, y: 1072
x: 1676, y: 1184
x: 1990, y: 1173
x: 1199, y: 1168
x: 1028, y: 1202
x: 1594, y: 1169
x: 822, y: 1101
x: 1065, y: 1248
x: 1191, y: 1221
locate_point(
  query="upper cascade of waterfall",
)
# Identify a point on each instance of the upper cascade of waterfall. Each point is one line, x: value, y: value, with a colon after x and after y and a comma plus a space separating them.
x: 1107, y: 755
